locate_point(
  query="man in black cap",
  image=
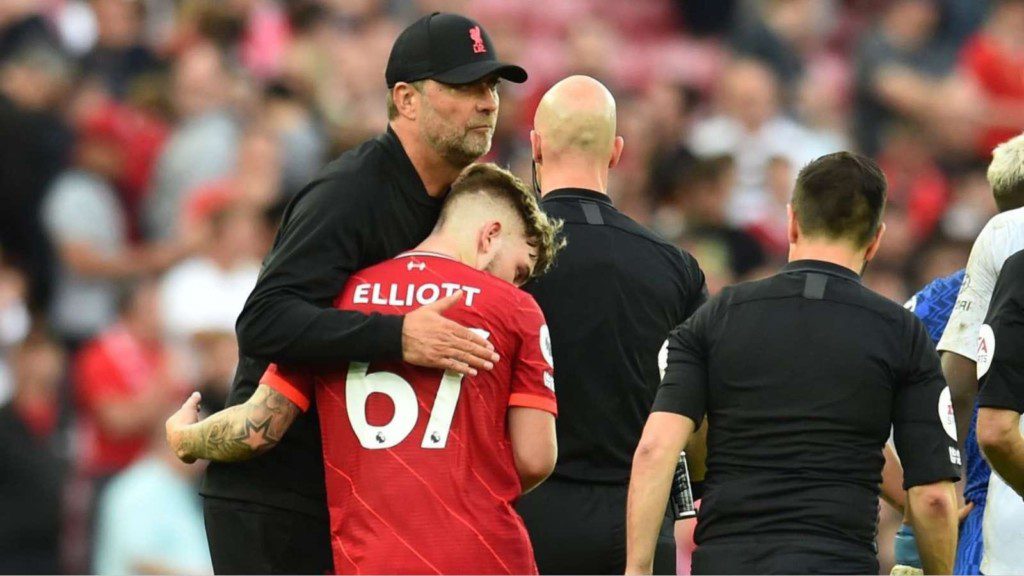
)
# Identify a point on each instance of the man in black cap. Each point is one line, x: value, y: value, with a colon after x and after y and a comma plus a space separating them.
x: 370, y: 204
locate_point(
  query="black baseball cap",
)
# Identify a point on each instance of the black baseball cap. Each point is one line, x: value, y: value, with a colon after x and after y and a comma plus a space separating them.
x: 448, y: 48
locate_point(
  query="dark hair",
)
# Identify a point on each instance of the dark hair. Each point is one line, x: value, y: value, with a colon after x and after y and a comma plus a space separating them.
x: 541, y: 232
x: 840, y: 196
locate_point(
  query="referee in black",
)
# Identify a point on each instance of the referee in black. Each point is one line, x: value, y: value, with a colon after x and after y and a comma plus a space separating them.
x: 1000, y: 406
x: 611, y: 299
x: 269, y: 514
x: 801, y: 376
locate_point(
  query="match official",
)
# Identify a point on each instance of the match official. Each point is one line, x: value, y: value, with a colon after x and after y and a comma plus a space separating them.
x: 611, y: 299
x: 801, y: 376
x: 1000, y: 404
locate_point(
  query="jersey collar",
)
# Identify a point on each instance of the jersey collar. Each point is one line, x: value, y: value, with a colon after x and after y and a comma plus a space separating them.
x: 821, y: 266
x: 424, y: 253
x: 577, y: 194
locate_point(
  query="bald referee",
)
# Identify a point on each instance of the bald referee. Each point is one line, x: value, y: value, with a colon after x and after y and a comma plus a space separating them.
x: 611, y: 299
x: 801, y: 376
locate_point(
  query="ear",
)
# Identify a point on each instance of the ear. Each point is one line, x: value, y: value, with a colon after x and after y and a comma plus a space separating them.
x: 535, y: 147
x: 875, y: 244
x: 793, y: 229
x: 406, y: 98
x: 489, y: 232
x: 616, y: 151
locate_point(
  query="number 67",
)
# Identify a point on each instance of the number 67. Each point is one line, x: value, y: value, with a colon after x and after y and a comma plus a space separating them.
x: 359, y: 385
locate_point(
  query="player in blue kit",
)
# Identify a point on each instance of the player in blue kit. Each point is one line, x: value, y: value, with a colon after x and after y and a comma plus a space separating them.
x: 933, y: 305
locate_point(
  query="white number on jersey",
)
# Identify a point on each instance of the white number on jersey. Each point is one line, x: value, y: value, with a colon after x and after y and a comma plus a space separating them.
x: 359, y: 385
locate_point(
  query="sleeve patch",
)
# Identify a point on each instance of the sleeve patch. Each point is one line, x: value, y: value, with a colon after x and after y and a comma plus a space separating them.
x: 986, y: 349
x: 946, y: 414
x: 545, y: 345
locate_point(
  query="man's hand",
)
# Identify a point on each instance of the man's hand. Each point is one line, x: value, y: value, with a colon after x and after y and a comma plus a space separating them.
x: 238, y: 433
x: 433, y: 341
x: 186, y: 415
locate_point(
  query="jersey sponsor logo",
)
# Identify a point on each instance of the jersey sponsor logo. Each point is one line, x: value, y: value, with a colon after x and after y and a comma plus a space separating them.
x: 954, y: 456
x: 414, y: 265
x: 986, y: 349
x: 545, y: 345
x: 409, y: 294
x: 946, y: 413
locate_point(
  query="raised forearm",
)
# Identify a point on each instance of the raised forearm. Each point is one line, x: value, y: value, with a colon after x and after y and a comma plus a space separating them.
x: 239, y: 432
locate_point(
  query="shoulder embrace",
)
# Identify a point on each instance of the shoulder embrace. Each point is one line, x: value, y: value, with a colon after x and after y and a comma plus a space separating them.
x: 335, y: 193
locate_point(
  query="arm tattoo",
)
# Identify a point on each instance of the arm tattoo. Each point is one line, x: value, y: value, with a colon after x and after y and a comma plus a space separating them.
x: 243, y: 431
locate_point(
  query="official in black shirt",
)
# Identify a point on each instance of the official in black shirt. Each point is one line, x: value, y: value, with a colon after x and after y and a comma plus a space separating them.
x: 1001, y: 396
x: 801, y: 376
x: 613, y: 296
x: 269, y: 514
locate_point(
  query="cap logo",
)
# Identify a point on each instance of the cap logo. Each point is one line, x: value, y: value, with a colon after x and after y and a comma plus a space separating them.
x: 478, y: 40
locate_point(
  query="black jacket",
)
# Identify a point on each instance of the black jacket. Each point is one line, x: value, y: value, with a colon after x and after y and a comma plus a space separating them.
x: 365, y: 207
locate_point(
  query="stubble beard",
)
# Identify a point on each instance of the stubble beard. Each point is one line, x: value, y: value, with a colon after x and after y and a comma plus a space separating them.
x: 461, y: 150
x: 458, y: 146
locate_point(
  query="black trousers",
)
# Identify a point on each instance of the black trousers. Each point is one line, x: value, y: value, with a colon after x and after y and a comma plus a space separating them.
x: 580, y: 528
x: 249, y: 538
x: 787, y: 556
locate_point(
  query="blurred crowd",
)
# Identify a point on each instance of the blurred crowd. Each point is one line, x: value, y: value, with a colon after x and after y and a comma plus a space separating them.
x: 148, y: 148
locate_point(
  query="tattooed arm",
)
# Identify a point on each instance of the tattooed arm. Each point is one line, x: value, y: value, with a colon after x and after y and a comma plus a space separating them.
x: 236, y: 433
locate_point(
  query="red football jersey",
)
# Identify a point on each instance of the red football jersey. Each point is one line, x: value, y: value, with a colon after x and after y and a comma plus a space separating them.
x: 419, y: 466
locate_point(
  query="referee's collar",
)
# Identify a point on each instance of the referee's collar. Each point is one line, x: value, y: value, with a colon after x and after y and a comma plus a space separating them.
x: 821, y: 266
x: 577, y: 194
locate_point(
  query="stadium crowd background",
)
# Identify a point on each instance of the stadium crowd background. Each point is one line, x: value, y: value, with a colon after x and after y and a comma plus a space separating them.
x: 147, y: 148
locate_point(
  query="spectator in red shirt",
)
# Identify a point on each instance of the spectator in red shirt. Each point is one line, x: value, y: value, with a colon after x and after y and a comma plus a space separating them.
x: 122, y: 385
x: 993, y: 61
x: 916, y: 182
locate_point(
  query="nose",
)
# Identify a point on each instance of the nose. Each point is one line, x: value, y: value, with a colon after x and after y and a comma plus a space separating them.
x: 488, y: 100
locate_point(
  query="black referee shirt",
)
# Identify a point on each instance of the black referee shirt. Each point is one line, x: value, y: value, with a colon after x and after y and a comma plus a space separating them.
x: 801, y: 376
x: 1001, y: 342
x: 365, y: 207
x: 611, y: 299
